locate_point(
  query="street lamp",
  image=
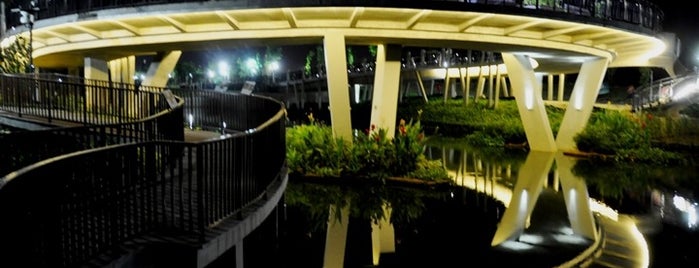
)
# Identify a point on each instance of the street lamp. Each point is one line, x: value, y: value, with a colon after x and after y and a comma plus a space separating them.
x: 274, y: 66
x: 27, y: 18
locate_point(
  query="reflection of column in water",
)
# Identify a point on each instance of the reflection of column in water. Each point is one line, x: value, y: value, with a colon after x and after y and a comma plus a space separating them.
x: 383, y: 235
x: 576, y: 198
x: 336, y: 237
x: 530, y: 182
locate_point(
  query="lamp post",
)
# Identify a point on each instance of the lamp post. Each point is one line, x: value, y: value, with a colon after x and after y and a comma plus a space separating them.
x: 27, y: 18
x: 274, y: 66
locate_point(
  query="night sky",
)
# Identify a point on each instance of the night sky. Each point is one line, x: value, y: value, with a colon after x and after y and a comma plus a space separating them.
x: 682, y: 19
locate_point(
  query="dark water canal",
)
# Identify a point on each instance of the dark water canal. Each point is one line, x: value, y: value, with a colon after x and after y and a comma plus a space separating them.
x: 504, y: 208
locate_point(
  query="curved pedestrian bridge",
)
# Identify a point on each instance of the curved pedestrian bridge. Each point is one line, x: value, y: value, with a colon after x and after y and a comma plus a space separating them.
x: 111, y: 176
x: 127, y: 177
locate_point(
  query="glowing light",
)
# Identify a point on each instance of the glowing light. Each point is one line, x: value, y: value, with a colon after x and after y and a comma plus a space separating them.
x: 252, y: 65
x: 223, y: 68
x: 523, y: 205
x: 190, y: 118
x: 531, y: 239
x: 529, y: 98
x: 516, y: 246
x: 566, y: 230
x: 570, y: 239
x: 274, y: 66
x: 578, y: 103
x: 683, y: 92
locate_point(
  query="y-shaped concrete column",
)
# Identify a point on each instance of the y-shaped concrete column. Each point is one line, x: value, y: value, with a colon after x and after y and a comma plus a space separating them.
x: 160, y: 69
x: 527, y: 91
x: 386, y: 81
x: 338, y: 85
x: 581, y: 102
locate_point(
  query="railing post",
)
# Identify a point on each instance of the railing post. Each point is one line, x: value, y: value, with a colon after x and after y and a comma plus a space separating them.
x: 200, y: 191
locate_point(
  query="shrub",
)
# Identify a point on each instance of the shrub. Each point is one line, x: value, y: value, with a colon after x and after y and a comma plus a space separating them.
x: 312, y: 150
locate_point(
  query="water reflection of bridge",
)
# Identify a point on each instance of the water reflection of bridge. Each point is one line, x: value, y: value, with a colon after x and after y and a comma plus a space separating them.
x: 616, y: 240
x: 607, y: 238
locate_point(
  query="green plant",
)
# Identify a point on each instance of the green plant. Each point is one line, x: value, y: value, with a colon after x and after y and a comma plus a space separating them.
x: 312, y: 150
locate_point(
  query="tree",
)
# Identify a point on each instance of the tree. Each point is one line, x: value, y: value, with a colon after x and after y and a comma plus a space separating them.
x: 272, y: 56
x: 188, y: 72
x: 309, y: 60
x: 15, y: 57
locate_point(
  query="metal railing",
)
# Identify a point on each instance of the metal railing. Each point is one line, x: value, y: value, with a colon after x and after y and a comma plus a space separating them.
x: 91, y: 106
x: 71, y: 209
x: 663, y: 92
x: 636, y: 12
x: 76, y: 100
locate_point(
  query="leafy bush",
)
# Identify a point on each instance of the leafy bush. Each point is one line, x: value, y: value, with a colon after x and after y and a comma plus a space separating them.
x: 312, y: 150
x: 624, y: 135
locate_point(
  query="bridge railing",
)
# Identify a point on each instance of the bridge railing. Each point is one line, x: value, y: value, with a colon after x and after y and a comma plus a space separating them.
x: 99, y: 122
x: 659, y: 93
x: 637, y: 12
x: 216, y: 111
x: 77, y: 100
x: 74, y: 208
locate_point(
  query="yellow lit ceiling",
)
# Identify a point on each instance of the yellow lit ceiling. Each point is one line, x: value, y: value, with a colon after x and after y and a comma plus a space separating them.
x: 558, y: 46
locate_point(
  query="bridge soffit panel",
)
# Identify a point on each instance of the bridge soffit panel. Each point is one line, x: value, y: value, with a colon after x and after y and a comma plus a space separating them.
x: 361, y: 25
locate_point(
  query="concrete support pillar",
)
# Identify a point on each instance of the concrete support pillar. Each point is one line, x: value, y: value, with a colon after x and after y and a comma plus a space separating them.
x: 561, y: 86
x: 384, y: 104
x: 527, y: 91
x: 447, y: 84
x: 465, y: 83
x: 498, y: 75
x: 159, y: 70
x: 530, y: 182
x: 338, y: 93
x: 421, y: 85
x: 336, y: 237
x: 549, y: 92
x: 123, y: 69
x: 480, y: 84
x: 95, y: 70
x: 576, y: 198
x: 491, y: 96
x: 582, y: 100
x: 505, y: 89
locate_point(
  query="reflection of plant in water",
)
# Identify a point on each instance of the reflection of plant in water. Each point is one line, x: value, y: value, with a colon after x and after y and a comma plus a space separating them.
x: 613, y: 180
x: 316, y: 200
x: 366, y: 201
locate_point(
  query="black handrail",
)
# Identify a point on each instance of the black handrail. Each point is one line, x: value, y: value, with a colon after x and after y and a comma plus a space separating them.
x: 70, y: 209
x: 103, y: 115
x: 81, y: 101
